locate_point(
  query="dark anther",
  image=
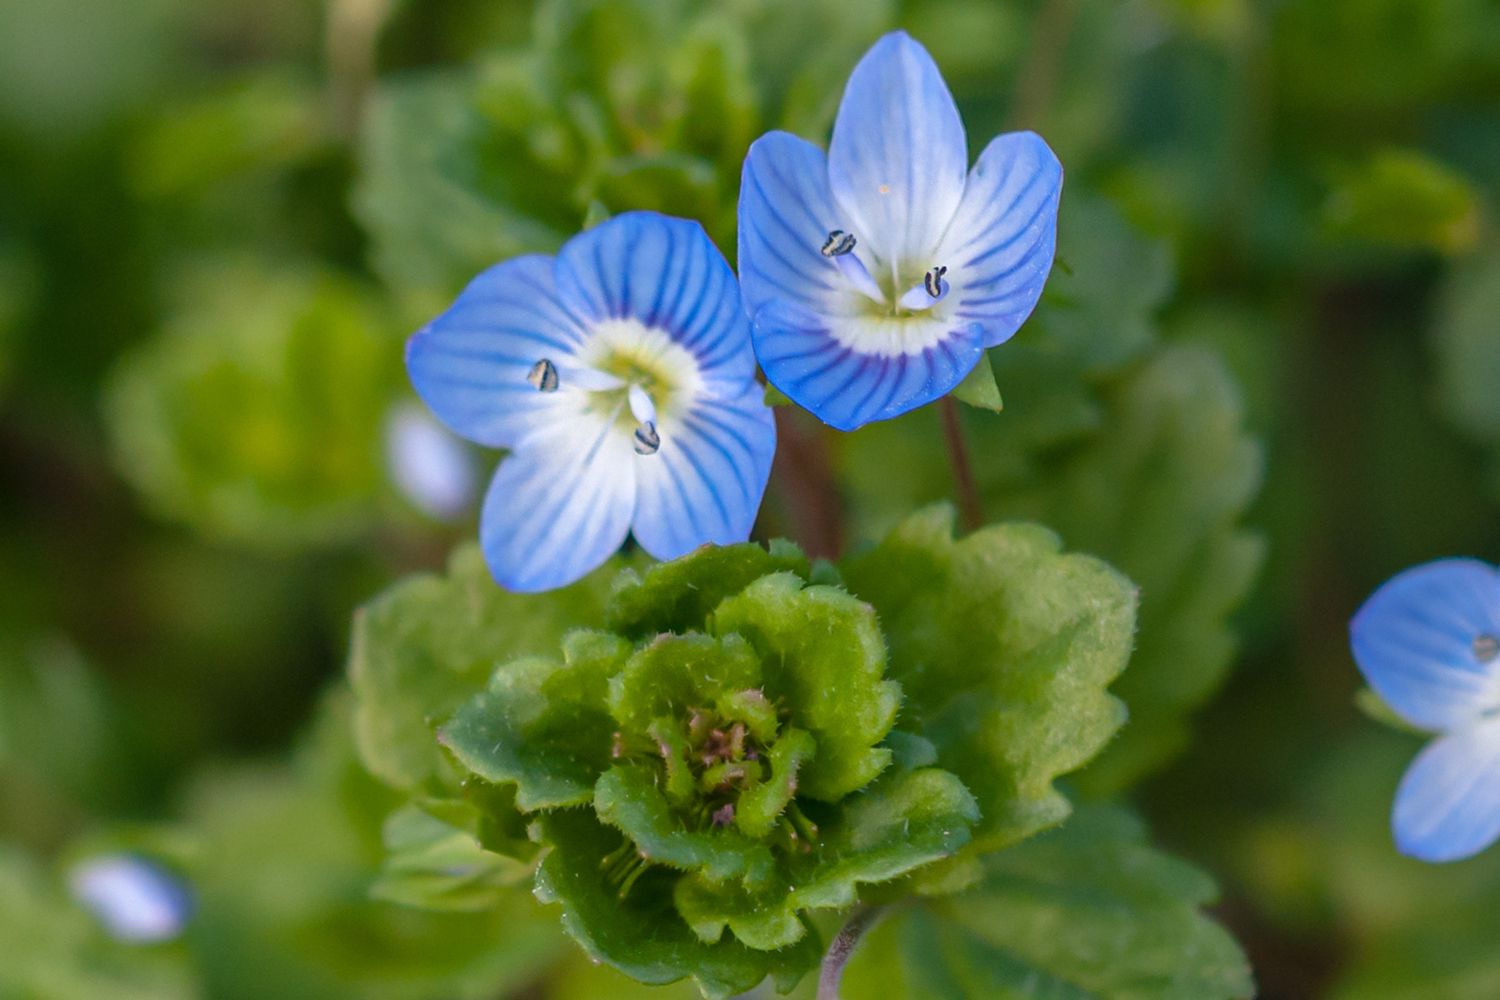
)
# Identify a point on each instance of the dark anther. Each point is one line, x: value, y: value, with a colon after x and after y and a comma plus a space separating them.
x: 838, y: 243
x: 647, y: 440
x: 543, y: 376
x: 934, y: 281
x: 1486, y: 648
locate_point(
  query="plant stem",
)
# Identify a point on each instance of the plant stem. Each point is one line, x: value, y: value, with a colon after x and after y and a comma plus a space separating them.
x: 970, y: 510
x: 839, y: 953
x: 803, y: 477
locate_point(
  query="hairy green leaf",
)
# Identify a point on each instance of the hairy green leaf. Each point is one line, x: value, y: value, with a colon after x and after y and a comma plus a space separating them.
x: 1087, y: 911
x: 678, y: 596
x: 1004, y: 646
x: 543, y: 724
x: 641, y: 934
x: 823, y: 655
x: 429, y: 643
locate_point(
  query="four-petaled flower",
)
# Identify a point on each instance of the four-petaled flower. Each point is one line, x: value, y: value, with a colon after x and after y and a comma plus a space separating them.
x: 876, y: 276
x: 1428, y: 642
x: 620, y: 376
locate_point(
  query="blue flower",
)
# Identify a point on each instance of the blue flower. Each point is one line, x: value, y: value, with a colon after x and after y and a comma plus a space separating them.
x: 621, y: 377
x: 136, y: 901
x: 1428, y: 642
x: 428, y: 465
x: 876, y: 275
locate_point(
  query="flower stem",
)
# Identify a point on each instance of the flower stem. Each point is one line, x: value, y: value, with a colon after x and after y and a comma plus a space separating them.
x: 970, y: 510
x: 803, y: 476
x: 842, y: 949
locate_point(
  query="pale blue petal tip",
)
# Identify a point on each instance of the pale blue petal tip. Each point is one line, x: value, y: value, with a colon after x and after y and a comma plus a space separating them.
x: 135, y: 900
x: 428, y: 465
x: 1447, y: 806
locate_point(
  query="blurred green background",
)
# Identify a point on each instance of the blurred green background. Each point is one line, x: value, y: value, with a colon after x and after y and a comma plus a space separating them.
x: 1265, y: 377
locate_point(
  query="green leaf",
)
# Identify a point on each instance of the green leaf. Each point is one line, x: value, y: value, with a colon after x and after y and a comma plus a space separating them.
x: 823, y: 656
x: 979, y: 388
x: 674, y: 671
x: 429, y: 643
x: 1157, y: 479
x: 255, y: 416
x: 904, y: 821
x: 678, y: 596
x: 1404, y: 198
x: 543, y: 724
x: 641, y: 935
x: 433, y: 865
x: 436, y: 192
x: 282, y: 861
x: 1004, y: 646
x: 1099, y: 313
x: 627, y: 798
x: 1086, y: 911
x: 1160, y: 492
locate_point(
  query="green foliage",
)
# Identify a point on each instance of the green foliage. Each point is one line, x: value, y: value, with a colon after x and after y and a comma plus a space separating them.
x: 979, y: 388
x: 1405, y: 199
x: 730, y: 739
x: 256, y: 416
x: 1004, y: 646
x: 60, y: 741
x: 633, y: 104
x: 55, y: 951
x: 1130, y: 450
x: 422, y: 648
x: 1468, y: 355
x: 285, y: 864
x: 1090, y: 910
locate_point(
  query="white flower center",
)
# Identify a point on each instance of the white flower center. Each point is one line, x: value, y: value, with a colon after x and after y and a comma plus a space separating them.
x: 889, y: 315
x: 630, y: 378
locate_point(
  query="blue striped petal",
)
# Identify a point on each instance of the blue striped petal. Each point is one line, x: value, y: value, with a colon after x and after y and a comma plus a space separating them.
x: 665, y: 273
x: 1448, y: 804
x: 1000, y: 247
x: 898, y: 158
x: 1415, y: 642
x: 848, y: 388
x: 786, y: 212
x: 706, y: 482
x: 470, y: 364
x: 560, y: 506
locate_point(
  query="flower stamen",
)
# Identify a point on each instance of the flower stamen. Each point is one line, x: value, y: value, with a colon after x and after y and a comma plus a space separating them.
x: 838, y: 243
x: 647, y: 440
x: 543, y: 376
x: 1486, y: 648
x: 933, y: 282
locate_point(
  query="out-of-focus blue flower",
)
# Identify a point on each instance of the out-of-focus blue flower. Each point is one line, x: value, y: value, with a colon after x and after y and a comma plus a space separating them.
x: 428, y: 465
x: 621, y: 377
x: 877, y: 274
x: 136, y: 901
x: 1428, y: 642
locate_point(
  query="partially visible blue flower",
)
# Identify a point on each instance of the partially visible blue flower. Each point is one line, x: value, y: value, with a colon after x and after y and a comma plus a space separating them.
x: 876, y: 275
x: 137, y: 901
x: 1428, y: 642
x: 621, y: 377
x: 428, y: 464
